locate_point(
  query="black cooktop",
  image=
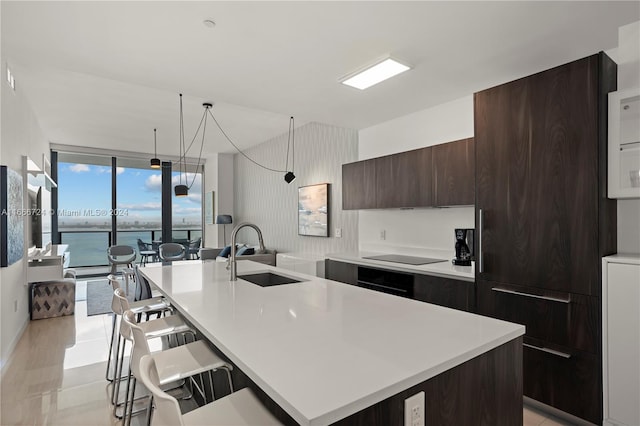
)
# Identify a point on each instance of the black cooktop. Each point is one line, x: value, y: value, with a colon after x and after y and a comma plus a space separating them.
x: 409, y: 260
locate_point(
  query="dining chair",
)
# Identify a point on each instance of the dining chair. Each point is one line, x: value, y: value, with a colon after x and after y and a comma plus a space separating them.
x: 172, y: 365
x: 194, y: 248
x: 172, y: 251
x: 239, y: 408
x: 146, y: 251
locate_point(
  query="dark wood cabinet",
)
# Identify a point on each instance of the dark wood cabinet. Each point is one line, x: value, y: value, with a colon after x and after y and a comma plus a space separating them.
x: 538, y: 179
x: 566, y: 319
x: 341, y: 271
x: 563, y: 378
x: 404, y: 179
x: 543, y: 223
x: 454, y: 173
x: 359, y: 185
x: 447, y: 292
x: 439, y: 175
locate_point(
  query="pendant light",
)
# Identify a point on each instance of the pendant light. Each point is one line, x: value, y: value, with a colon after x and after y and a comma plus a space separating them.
x: 182, y: 190
x: 288, y: 174
x: 155, y: 161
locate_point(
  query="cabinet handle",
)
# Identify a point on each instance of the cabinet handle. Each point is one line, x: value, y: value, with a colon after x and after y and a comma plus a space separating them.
x: 535, y: 296
x: 480, y: 268
x: 401, y: 290
x: 547, y: 350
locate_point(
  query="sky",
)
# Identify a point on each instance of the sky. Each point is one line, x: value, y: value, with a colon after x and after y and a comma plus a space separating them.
x: 84, y: 194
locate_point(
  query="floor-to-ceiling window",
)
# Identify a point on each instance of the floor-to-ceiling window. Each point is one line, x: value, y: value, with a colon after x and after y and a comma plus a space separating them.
x: 138, y: 202
x: 104, y: 200
x: 84, y: 207
x: 187, y: 211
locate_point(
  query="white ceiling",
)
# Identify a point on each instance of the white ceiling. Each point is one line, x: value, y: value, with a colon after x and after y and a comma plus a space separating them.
x: 104, y: 74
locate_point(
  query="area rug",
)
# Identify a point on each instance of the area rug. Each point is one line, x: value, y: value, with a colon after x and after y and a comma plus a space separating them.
x: 99, y: 297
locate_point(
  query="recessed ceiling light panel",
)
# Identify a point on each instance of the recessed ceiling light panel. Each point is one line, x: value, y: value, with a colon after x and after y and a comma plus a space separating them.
x: 374, y: 74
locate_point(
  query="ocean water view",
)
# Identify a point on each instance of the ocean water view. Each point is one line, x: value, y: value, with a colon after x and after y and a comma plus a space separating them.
x: 89, y: 247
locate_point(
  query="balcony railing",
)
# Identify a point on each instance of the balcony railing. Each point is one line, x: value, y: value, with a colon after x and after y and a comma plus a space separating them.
x: 89, y: 247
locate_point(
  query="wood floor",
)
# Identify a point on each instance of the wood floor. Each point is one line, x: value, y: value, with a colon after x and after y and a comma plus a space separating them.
x: 56, y: 375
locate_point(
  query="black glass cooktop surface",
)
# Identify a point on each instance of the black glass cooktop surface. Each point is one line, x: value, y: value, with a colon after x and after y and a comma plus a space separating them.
x: 399, y: 258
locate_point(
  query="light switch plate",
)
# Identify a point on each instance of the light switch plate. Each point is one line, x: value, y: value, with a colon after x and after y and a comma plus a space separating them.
x: 338, y: 232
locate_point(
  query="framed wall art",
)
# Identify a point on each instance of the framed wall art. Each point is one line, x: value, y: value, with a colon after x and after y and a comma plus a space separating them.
x: 11, y: 217
x: 313, y: 210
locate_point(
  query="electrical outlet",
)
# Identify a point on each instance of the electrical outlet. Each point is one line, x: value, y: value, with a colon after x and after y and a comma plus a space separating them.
x: 15, y: 305
x: 414, y: 410
x: 338, y: 232
x: 383, y: 234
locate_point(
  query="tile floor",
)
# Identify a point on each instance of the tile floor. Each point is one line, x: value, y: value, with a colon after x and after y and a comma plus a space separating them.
x: 56, y: 375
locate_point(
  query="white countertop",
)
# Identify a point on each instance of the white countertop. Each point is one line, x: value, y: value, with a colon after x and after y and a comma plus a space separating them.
x: 324, y: 350
x: 444, y: 269
x: 623, y: 258
x: 55, y: 251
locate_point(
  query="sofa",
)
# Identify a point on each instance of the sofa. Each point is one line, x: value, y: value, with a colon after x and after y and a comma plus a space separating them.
x: 268, y: 258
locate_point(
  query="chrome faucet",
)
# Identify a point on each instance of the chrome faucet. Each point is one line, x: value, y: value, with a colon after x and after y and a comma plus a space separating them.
x: 232, y: 256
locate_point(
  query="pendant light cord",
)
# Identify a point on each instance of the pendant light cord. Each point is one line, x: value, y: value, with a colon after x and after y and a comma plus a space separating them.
x: 245, y: 155
x: 155, y: 150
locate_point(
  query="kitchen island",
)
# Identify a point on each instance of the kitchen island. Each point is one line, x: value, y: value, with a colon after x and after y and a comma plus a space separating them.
x: 327, y: 352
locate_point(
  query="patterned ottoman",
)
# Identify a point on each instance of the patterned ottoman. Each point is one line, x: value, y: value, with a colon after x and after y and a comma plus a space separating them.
x: 53, y: 298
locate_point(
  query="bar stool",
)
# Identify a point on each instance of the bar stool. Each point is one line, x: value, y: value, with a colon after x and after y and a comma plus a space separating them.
x: 238, y: 408
x: 148, y: 306
x: 172, y: 325
x: 173, y: 364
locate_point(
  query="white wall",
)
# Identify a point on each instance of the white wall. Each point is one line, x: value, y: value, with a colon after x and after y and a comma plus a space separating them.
x: 628, y: 59
x: 20, y: 135
x: 421, y: 228
x: 219, y: 178
x: 263, y: 197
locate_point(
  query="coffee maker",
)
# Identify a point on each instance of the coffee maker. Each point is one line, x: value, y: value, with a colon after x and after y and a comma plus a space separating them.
x: 464, y: 247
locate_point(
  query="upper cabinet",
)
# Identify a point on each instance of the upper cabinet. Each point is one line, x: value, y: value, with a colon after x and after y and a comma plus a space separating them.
x: 404, y: 179
x: 624, y: 144
x: 454, y: 168
x: 359, y: 185
x: 440, y: 175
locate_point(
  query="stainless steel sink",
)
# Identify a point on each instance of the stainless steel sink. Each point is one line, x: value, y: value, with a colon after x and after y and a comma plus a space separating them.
x: 268, y: 279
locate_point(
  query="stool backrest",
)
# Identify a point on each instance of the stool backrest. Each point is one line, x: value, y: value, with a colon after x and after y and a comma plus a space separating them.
x: 116, y: 306
x: 172, y: 251
x: 167, y: 410
x: 140, y: 343
x: 143, y: 289
x: 125, y: 330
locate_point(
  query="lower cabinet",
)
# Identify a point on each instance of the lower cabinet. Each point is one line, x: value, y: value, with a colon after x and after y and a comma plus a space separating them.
x: 562, y: 361
x: 565, y: 319
x: 621, y: 325
x: 341, y: 271
x: 566, y: 379
x: 447, y: 292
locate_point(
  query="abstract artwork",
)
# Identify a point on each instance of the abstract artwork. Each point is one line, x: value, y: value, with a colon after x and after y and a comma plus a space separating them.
x: 313, y: 210
x: 11, y: 217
